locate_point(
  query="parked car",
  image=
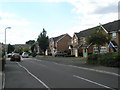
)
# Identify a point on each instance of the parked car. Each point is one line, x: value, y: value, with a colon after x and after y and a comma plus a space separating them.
x: 25, y: 55
x: 60, y: 54
x: 9, y: 55
x: 15, y: 57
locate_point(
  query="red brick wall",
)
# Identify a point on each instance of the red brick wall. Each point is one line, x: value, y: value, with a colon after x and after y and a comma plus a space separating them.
x: 63, y: 44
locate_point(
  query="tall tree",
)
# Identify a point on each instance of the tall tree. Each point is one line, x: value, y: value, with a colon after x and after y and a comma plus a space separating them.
x: 99, y: 38
x: 10, y: 48
x: 30, y: 42
x: 43, y: 40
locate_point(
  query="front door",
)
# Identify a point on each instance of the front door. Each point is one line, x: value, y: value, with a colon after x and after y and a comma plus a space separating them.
x: 84, y: 52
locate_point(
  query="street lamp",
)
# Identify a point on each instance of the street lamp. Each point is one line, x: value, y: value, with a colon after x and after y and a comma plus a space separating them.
x: 5, y: 41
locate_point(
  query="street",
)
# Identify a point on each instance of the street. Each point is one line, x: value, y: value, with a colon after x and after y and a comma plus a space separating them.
x: 35, y: 73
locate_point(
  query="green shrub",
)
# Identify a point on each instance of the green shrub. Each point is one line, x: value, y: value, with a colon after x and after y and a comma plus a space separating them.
x: 108, y: 59
x: 92, y: 59
x: 34, y: 54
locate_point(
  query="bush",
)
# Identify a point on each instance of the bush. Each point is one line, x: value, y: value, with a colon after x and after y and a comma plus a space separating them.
x: 34, y: 54
x: 92, y: 59
x: 109, y: 59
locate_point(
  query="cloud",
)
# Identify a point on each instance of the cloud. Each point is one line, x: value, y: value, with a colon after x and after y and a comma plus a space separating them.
x: 11, y: 22
x: 11, y: 19
x: 20, y: 35
x: 106, y: 10
x: 89, y: 13
x: 4, y: 15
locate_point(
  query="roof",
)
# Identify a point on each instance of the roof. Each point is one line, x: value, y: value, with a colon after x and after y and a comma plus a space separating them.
x: 111, y: 26
x: 114, y: 43
x: 79, y: 45
x: 58, y: 37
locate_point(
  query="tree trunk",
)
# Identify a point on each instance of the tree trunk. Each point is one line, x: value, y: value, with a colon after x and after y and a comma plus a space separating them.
x: 98, y: 49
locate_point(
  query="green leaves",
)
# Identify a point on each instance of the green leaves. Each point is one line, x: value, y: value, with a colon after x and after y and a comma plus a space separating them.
x: 30, y: 42
x: 98, y: 38
x: 43, y: 40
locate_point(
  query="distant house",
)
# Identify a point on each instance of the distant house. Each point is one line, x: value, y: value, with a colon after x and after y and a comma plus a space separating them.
x: 80, y: 47
x: 60, y: 43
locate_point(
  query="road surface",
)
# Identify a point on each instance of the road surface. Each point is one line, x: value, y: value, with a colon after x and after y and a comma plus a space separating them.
x: 34, y: 73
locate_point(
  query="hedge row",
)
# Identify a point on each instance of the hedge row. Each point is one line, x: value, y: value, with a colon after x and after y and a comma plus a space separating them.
x: 109, y: 59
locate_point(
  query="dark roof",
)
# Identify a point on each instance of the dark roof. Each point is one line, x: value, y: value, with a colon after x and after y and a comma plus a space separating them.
x: 79, y: 45
x: 57, y: 38
x: 111, y: 26
x: 87, y: 32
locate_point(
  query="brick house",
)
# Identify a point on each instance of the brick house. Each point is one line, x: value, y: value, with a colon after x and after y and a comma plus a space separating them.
x: 79, y: 43
x: 60, y: 43
x: 113, y: 29
x: 81, y: 48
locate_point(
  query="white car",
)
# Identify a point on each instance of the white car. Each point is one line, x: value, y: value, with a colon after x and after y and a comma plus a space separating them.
x: 25, y: 55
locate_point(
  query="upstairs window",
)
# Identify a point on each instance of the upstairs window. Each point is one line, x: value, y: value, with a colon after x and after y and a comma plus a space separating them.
x: 75, y: 40
x: 114, y: 35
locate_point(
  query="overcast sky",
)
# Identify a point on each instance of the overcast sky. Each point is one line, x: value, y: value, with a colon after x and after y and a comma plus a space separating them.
x: 28, y: 17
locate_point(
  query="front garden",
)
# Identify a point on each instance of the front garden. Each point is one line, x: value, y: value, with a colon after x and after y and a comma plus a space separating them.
x: 108, y: 59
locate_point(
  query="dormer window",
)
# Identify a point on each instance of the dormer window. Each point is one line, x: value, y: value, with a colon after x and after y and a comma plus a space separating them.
x: 114, y: 35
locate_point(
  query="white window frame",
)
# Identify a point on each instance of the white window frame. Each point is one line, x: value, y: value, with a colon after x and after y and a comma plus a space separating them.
x: 75, y: 40
x: 103, y: 49
x: 95, y: 50
x: 114, y: 35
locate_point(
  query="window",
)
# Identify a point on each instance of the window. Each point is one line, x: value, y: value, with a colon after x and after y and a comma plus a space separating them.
x: 103, y: 50
x: 95, y: 50
x: 114, y: 35
x: 75, y: 40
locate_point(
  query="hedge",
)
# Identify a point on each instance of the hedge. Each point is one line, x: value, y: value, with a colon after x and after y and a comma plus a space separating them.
x: 108, y: 59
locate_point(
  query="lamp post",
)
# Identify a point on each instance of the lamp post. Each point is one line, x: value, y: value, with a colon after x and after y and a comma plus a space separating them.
x: 5, y: 43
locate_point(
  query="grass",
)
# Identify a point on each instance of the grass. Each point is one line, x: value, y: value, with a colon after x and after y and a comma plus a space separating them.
x: 64, y: 59
x: 80, y: 60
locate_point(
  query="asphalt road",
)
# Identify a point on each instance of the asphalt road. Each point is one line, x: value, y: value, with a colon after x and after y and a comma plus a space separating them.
x: 33, y: 73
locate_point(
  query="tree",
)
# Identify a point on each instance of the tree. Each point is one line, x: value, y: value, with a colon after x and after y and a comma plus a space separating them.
x: 18, y: 50
x: 43, y: 40
x: 30, y: 42
x: 26, y: 49
x: 10, y: 48
x: 32, y: 48
x: 98, y: 38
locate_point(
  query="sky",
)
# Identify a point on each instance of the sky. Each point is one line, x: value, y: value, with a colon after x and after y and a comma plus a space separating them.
x: 27, y: 18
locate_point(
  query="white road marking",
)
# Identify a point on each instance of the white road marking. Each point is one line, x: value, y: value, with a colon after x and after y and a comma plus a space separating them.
x: 37, y: 60
x: 93, y: 82
x: 33, y: 76
x: 100, y: 71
